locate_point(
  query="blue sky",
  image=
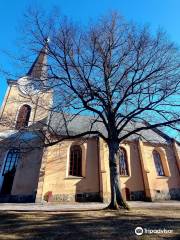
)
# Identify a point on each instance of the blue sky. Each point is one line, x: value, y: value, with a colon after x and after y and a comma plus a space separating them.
x: 157, y: 13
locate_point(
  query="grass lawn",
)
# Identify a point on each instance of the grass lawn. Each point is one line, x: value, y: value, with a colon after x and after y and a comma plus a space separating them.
x: 86, y: 225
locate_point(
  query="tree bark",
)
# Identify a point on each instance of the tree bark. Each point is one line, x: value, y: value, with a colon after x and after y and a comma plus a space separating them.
x: 117, y: 200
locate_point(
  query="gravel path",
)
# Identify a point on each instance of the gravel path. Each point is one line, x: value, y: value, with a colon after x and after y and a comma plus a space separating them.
x: 48, y: 207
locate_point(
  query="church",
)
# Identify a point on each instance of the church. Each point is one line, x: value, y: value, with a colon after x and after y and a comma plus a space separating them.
x: 75, y: 169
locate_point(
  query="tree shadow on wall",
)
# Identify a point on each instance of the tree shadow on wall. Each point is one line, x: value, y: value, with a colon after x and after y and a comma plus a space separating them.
x: 88, y: 188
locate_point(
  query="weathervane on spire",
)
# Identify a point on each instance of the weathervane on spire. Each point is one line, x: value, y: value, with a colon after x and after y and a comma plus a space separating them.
x: 47, y: 39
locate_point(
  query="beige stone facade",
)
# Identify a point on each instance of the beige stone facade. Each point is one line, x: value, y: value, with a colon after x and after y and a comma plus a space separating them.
x: 42, y: 174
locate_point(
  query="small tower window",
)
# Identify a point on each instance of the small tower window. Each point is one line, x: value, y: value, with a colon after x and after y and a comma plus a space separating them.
x: 75, y: 161
x: 158, y: 163
x: 123, y: 166
x: 23, y: 116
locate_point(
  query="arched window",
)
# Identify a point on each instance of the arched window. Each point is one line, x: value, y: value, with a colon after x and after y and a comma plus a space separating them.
x: 23, y: 116
x: 75, y: 168
x: 11, y: 161
x: 9, y: 170
x: 158, y: 163
x: 123, y: 166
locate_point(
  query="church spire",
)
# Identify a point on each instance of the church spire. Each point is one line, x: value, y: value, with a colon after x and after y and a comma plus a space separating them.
x: 36, y: 78
x: 38, y: 69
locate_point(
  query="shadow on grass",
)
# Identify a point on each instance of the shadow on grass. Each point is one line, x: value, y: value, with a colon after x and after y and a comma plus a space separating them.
x: 83, y: 226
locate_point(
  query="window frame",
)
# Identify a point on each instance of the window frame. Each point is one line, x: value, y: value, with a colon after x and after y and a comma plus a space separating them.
x: 15, y: 161
x: 73, y: 153
x: 158, y: 164
x: 23, y: 124
x: 121, y: 149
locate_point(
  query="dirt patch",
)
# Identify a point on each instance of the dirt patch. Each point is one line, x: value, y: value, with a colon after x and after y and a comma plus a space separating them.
x: 100, y: 224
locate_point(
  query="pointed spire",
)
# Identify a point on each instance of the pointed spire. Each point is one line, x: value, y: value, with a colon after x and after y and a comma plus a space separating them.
x: 38, y: 69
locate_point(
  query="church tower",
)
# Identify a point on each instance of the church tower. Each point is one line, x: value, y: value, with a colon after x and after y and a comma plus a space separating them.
x: 26, y: 102
x: 22, y: 117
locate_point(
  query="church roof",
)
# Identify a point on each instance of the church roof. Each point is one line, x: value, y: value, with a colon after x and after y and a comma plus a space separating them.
x: 38, y: 71
x: 79, y: 124
x: 39, y: 66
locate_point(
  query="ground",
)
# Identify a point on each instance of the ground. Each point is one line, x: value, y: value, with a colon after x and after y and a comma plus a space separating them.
x: 78, y: 223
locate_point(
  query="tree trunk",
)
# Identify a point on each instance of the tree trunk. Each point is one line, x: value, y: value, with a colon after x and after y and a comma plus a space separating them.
x: 117, y: 200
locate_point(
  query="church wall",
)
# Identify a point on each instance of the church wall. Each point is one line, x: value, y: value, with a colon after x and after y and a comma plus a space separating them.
x: 43, y: 104
x: 15, y: 99
x: 63, y: 187
x: 13, y: 103
x: 176, y: 149
x: 148, y: 186
x: 104, y: 175
x: 132, y: 183
x: 3, y: 153
x: 27, y: 173
x: 162, y: 187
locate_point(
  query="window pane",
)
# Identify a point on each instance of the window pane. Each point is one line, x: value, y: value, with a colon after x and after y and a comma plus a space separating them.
x: 123, y: 163
x: 75, y: 161
x: 158, y: 163
x: 11, y: 160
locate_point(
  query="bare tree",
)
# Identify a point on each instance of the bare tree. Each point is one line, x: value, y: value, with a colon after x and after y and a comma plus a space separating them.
x: 114, y: 71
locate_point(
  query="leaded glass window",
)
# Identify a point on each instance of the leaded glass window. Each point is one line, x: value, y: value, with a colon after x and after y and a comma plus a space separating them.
x: 11, y: 160
x: 75, y: 161
x: 123, y: 166
x: 158, y: 163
